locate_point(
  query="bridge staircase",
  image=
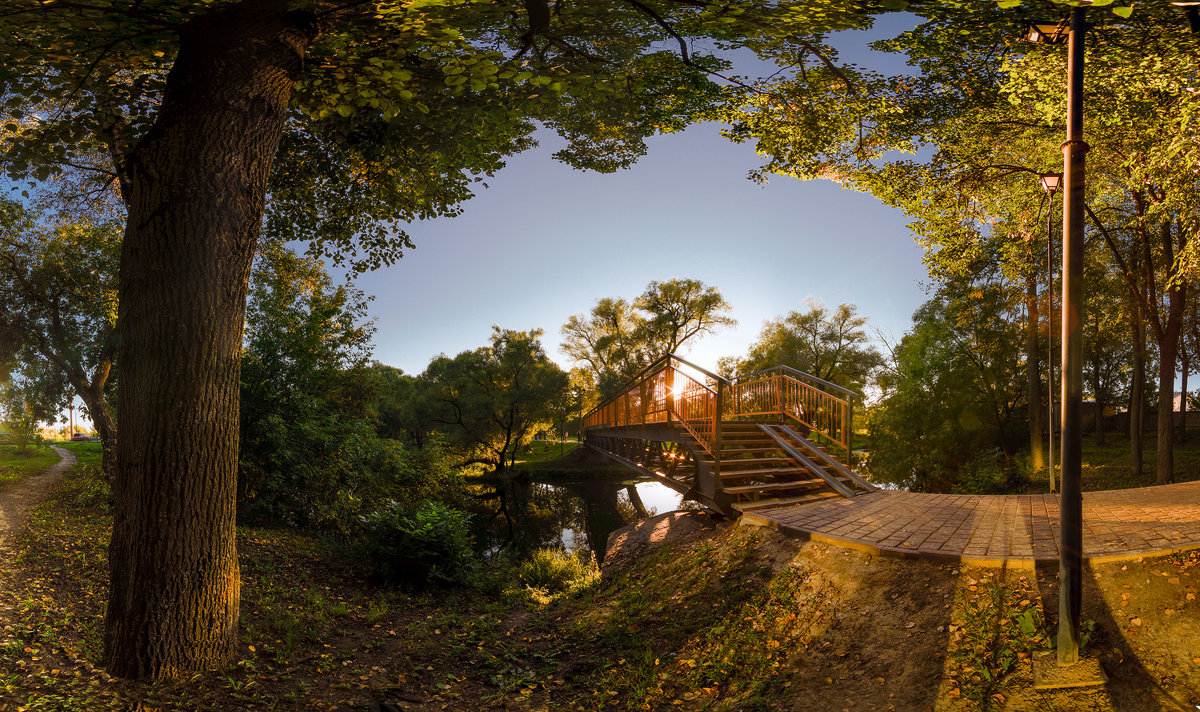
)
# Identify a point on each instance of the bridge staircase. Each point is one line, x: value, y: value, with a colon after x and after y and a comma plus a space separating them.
x: 770, y: 465
x: 765, y: 439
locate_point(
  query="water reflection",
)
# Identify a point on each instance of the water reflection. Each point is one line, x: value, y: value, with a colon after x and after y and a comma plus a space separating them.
x: 576, y: 513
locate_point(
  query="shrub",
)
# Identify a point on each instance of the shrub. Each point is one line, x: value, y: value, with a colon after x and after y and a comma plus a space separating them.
x: 90, y: 489
x: 556, y: 571
x: 429, y: 544
x: 987, y: 474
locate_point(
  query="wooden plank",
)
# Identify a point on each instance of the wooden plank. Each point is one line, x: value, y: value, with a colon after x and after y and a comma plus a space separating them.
x: 764, y: 503
x: 803, y: 460
x: 765, y: 471
x: 829, y: 460
x: 769, y: 486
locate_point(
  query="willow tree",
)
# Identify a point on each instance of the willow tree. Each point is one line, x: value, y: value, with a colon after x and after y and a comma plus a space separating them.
x: 335, y: 121
x: 618, y: 338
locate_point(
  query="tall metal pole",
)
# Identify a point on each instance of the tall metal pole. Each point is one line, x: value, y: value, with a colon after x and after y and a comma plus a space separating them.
x: 1071, y: 499
x: 1050, y: 329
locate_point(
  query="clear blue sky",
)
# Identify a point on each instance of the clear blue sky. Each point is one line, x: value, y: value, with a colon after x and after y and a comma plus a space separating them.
x: 545, y: 241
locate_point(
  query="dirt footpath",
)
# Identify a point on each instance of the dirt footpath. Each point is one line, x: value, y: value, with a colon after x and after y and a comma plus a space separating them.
x: 19, y: 498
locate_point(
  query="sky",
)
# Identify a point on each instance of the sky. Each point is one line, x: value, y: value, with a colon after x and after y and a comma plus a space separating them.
x: 545, y: 241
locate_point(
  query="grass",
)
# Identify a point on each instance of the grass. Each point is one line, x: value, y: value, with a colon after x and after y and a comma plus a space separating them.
x: 735, y: 618
x: 1108, y: 466
x: 16, y: 465
x: 86, y: 453
x: 540, y: 451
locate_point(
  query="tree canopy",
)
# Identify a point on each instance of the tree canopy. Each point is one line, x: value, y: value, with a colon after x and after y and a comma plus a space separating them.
x: 490, y: 402
x: 831, y: 344
x: 58, y: 287
x: 338, y: 121
x: 618, y: 339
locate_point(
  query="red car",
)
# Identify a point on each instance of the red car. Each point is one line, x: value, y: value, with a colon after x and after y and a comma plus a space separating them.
x: 79, y: 437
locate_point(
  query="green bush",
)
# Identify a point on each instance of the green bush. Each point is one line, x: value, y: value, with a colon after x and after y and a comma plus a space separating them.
x: 89, y: 487
x: 429, y: 544
x: 556, y: 571
x: 987, y: 474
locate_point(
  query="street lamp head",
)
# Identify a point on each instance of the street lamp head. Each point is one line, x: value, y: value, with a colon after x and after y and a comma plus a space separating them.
x: 1050, y: 182
x: 1047, y: 32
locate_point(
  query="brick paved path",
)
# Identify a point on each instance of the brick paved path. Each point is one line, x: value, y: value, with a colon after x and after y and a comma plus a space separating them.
x: 1018, y: 530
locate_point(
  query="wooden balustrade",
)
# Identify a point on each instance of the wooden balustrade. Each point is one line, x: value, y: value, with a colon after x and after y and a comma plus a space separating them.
x: 674, y: 390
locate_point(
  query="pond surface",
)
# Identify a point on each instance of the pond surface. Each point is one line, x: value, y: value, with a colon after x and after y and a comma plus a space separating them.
x: 574, y: 512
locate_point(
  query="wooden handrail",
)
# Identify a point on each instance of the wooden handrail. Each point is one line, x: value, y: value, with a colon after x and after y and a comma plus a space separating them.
x: 662, y: 392
x: 829, y: 386
x: 642, y: 374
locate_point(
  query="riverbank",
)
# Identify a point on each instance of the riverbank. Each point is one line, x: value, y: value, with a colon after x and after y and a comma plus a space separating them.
x: 690, y: 614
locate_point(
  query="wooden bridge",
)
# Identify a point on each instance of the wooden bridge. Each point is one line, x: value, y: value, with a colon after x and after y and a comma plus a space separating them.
x: 765, y: 439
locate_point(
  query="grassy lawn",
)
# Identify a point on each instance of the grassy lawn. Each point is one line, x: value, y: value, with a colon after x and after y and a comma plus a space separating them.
x: 1108, y: 466
x: 16, y: 465
x: 85, y: 453
x: 544, y: 451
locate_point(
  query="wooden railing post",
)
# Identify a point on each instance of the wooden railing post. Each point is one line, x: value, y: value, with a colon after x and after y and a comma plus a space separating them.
x: 849, y: 431
x: 719, y: 408
x: 670, y: 391
x: 779, y: 394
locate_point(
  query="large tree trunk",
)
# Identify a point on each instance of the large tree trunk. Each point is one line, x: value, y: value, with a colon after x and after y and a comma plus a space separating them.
x: 1137, y: 394
x: 1183, y: 398
x: 103, y: 420
x: 1168, y: 357
x: 1165, y: 469
x: 1033, y: 378
x: 194, y: 190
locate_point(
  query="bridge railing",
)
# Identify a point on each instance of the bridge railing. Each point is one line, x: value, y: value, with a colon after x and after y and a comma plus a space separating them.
x: 671, y: 389
x: 782, y: 392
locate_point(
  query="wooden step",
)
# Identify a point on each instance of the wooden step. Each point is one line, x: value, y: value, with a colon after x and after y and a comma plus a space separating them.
x: 734, y: 442
x: 730, y: 474
x: 765, y: 503
x: 748, y: 460
x: 744, y: 489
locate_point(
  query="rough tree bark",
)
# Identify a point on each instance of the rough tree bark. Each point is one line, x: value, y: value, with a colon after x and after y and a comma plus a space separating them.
x: 1137, y: 400
x: 1166, y: 333
x: 194, y: 188
x: 1184, y: 367
x: 1033, y: 377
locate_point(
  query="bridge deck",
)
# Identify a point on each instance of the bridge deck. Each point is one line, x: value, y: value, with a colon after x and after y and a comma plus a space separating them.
x: 1012, y: 530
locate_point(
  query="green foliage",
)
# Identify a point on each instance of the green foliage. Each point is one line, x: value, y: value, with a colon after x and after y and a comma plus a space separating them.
x: 953, y: 391
x: 27, y: 401
x: 831, y: 344
x: 90, y: 488
x: 618, y: 339
x: 428, y: 544
x: 311, y: 455
x: 360, y: 158
x: 490, y: 402
x: 553, y: 571
x: 58, y: 282
x: 17, y: 463
x: 996, y: 624
x: 988, y: 473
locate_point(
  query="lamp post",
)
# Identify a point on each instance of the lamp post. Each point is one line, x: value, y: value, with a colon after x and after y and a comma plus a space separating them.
x: 1074, y: 150
x: 1071, y: 498
x: 1050, y: 183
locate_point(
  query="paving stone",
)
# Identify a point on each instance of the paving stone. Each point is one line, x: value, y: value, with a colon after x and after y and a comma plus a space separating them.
x: 1002, y: 528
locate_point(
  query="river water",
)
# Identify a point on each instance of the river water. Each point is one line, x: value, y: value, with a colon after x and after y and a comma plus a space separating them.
x: 573, y: 512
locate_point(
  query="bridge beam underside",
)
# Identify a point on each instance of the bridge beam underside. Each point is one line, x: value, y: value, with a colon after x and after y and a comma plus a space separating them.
x: 668, y: 455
